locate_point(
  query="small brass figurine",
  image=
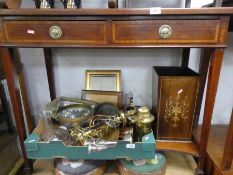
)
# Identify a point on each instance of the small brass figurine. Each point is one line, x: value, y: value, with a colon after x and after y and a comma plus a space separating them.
x: 71, y: 4
x: 44, y: 4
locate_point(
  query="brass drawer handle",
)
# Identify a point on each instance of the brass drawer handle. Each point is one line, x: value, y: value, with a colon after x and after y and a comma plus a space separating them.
x: 165, y: 31
x: 55, y: 32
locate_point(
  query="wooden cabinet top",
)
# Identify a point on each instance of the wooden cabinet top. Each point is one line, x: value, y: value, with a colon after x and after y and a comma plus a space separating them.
x: 114, y: 28
x: 115, y: 12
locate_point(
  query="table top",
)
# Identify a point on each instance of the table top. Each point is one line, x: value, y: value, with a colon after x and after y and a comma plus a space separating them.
x: 117, y: 12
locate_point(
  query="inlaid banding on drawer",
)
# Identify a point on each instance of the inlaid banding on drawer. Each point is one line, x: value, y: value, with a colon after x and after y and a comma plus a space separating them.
x: 73, y: 32
x: 183, y: 32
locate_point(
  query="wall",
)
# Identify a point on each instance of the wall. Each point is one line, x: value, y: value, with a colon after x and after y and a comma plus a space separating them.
x: 135, y: 64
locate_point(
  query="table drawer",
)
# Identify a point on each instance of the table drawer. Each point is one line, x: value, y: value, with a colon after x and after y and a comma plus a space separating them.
x: 166, y: 31
x: 73, y: 32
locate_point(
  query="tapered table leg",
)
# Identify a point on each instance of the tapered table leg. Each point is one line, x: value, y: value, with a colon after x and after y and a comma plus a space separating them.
x: 13, y: 87
x: 203, y: 71
x: 50, y: 72
x: 213, y: 78
x: 185, y: 58
x: 5, y: 108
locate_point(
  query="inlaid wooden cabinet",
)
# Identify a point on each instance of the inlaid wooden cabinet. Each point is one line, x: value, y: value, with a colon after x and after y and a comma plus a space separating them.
x: 175, y: 92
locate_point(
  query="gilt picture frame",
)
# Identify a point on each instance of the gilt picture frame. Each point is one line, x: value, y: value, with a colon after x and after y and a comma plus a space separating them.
x: 103, y: 80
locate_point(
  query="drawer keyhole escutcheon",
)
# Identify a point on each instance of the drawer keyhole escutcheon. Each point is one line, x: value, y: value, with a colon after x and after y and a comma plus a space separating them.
x: 55, y: 32
x: 165, y: 31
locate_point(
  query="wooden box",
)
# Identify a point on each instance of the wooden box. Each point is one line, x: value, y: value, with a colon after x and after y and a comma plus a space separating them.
x: 175, y: 92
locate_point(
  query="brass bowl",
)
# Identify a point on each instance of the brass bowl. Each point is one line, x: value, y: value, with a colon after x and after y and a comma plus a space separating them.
x: 74, y: 113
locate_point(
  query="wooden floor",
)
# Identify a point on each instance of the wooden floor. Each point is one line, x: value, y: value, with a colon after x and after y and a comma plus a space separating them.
x: 215, y: 150
x: 9, y: 153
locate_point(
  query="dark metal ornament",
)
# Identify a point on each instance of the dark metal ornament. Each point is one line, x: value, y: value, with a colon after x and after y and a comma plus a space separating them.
x: 107, y: 109
x: 70, y: 4
x: 44, y: 3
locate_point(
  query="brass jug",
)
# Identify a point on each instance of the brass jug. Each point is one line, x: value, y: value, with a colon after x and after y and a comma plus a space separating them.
x: 144, y: 120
